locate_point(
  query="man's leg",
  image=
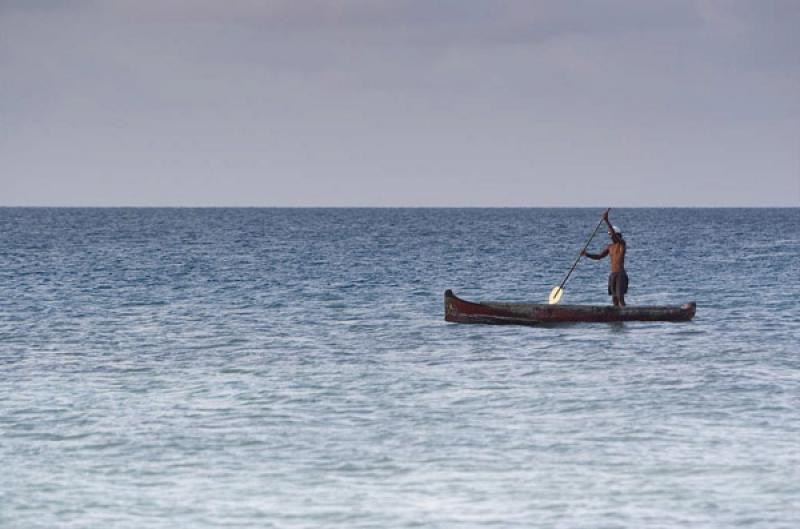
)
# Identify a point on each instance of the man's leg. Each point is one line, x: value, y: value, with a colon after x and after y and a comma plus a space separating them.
x: 612, y: 288
x: 622, y: 288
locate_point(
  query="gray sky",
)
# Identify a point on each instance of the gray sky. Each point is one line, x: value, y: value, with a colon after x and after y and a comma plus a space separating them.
x: 402, y: 102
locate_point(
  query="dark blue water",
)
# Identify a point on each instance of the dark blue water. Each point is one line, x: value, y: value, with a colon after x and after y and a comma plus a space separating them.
x: 291, y: 368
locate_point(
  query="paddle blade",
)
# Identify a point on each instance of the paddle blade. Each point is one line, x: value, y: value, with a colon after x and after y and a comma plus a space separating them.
x: 555, y: 295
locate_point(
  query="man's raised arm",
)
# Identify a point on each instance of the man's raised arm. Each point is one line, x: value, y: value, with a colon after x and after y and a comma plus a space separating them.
x: 602, y: 254
x: 596, y: 256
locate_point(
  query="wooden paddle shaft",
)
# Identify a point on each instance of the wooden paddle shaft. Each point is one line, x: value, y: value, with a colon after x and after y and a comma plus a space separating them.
x: 580, y: 254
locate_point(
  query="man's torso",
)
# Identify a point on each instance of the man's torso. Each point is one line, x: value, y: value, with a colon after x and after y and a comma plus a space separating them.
x: 616, y: 252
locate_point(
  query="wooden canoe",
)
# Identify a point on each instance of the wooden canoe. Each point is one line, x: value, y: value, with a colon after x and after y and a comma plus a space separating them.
x: 458, y: 310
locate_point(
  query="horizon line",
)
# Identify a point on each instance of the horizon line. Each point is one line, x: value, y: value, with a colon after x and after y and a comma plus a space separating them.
x: 61, y: 206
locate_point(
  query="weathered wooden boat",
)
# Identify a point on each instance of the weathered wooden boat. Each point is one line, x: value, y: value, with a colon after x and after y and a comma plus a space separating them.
x: 458, y: 310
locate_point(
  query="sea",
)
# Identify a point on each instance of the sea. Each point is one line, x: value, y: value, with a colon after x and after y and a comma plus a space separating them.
x: 291, y: 368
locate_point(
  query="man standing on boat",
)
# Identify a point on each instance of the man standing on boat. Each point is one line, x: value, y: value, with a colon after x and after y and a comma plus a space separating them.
x: 618, y: 279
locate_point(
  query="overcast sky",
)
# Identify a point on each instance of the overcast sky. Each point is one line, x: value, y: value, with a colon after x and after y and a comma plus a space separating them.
x: 400, y: 102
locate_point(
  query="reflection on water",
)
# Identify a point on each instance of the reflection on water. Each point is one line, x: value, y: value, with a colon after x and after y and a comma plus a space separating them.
x: 291, y: 368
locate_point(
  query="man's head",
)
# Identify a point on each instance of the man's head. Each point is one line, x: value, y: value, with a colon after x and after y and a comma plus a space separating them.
x: 615, y: 233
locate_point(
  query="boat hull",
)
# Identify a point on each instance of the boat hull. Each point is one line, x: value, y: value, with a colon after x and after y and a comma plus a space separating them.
x: 458, y: 310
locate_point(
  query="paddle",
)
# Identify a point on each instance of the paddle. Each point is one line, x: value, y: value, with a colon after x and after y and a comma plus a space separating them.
x: 557, y: 292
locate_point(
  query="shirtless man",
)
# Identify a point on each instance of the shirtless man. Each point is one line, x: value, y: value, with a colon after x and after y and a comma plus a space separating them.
x: 618, y: 279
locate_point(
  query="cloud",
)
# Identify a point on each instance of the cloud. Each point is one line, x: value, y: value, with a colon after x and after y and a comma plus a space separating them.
x: 441, y: 21
x: 285, y: 97
x: 43, y: 6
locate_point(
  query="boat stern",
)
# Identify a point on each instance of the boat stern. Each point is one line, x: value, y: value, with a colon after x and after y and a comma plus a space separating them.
x: 689, y: 309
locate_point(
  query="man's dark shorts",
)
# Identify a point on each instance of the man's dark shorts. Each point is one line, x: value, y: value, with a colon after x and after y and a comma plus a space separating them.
x: 617, y: 284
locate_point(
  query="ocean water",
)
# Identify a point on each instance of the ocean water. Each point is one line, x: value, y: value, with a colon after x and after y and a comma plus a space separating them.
x: 291, y: 368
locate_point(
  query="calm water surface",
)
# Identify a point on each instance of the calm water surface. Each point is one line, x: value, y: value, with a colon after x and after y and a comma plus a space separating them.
x: 291, y: 368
